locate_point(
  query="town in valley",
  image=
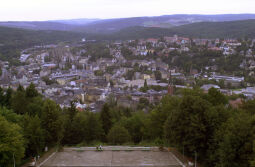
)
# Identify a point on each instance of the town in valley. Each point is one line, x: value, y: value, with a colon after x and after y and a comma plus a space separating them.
x: 91, y: 72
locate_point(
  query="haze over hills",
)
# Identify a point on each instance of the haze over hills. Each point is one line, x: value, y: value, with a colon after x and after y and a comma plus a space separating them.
x: 114, y: 25
x: 230, y: 29
x: 39, y: 25
x: 167, y: 21
x: 34, y: 33
x: 76, y: 21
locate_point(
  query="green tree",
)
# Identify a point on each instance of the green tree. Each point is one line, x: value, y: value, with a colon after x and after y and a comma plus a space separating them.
x: 2, y: 97
x: 145, y: 85
x: 111, y: 100
x: 106, y: 118
x: 94, y: 128
x: 216, y: 97
x: 20, y: 88
x: 11, y: 143
x: 135, y: 126
x: 86, y: 127
x: 127, y: 53
x: 233, y: 142
x: 31, y: 91
x: 221, y: 83
x: 52, y: 122
x: 69, y: 126
x: 8, y: 97
x: 188, y: 126
x: 248, y: 106
x: 98, y: 73
x: 118, y: 135
x: 10, y: 116
x: 159, y: 115
x: 34, y: 135
x: 35, y: 106
x: 19, y: 101
x: 143, y: 103
x: 252, y: 161
x: 79, y: 129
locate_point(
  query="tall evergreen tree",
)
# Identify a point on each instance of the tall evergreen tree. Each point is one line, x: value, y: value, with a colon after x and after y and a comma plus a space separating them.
x: 31, y: 91
x: 19, y: 101
x: 94, y: 127
x: 2, y: 97
x: 69, y: 127
x: 20, y: 88
x: 145, y: 85
x: 8, y: 96
x: 105, y: 117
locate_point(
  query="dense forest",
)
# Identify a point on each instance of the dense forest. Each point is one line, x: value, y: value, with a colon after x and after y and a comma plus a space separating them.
x: 230, y: 29
x: 13, y: 40
x: 193, y: 122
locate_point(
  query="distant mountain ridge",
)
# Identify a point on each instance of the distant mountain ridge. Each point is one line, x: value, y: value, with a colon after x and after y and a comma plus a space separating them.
x: 229, y: 29
x: 166, y: 21
x: 76, y: 21
x: 115, y: 25
x: 38, y: 25
x: 12, y: 40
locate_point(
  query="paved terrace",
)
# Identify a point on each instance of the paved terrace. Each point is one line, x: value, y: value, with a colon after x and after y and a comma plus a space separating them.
x: 118, y: 156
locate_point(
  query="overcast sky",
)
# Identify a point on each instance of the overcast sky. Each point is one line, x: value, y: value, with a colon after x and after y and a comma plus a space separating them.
x: 17, y: 10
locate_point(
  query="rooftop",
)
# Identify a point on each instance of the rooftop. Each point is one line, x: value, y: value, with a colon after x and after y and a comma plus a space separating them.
x: 113, y: 156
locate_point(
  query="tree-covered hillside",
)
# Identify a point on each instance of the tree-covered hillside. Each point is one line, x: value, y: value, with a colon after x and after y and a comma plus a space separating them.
x: 39, y: 25
x: 114, y: 25
x: 12, y: 40
x: 231, y: 29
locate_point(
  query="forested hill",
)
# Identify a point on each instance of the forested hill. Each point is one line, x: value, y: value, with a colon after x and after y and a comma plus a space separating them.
x: 167, y: 21
x: 39, y: 25
x: 9, y: 36
x: 138, y: 33
x: 113, y: 25
x: 230, y: 29
x: 13, y: 39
